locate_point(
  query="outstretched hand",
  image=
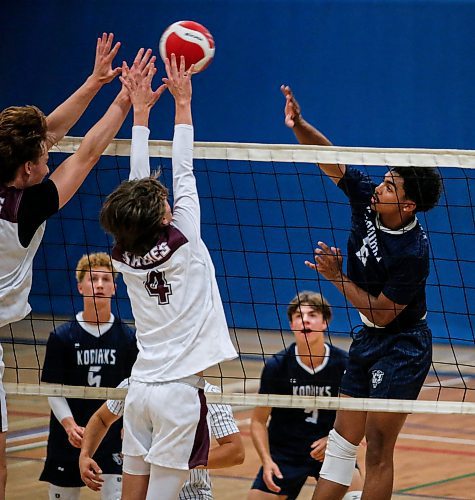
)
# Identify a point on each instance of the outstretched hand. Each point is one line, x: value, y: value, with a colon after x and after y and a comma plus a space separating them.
x: 328, y: 262
x: 178, y: 80
x: 292, y: 110
x: 105, y: 53
x: 138, y: 81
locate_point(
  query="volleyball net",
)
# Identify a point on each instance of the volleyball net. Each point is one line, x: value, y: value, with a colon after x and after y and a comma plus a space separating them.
x: 264, y: 207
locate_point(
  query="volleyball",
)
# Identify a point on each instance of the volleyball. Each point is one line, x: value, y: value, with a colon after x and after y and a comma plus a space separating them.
x: 189, y: 39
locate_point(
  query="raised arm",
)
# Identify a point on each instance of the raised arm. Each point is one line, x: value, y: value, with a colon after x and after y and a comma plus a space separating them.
x: 138, y: 81
x: 69, y: 112
x: 186, y: 208
x: 308, y: 134
x: 69, y: 176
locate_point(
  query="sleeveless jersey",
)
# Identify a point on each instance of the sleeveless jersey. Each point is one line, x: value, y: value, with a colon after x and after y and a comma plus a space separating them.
x: 179, y: 316
x: 293, y: 430
x: 381, y: 260
x: 75, y: 357
x: 16, y: 262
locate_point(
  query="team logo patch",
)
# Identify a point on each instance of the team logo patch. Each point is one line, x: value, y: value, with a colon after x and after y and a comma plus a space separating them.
x: 117, y: 457
x: 377, y: 377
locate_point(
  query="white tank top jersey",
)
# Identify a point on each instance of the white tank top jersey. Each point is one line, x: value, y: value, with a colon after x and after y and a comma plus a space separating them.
x: 176, y: 304
x: 16, y: 262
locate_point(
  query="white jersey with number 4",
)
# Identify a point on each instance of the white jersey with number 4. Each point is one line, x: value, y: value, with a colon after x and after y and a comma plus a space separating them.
x: 179, y: 316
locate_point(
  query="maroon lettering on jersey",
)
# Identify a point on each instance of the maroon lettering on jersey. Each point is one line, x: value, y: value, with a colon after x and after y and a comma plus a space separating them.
x: 171, y: 240
x: 157, y: 286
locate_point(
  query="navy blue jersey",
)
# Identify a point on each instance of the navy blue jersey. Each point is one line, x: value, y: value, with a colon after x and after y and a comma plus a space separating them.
x: 380, y: 260
x: 293, y: 430
x: 75, y: 357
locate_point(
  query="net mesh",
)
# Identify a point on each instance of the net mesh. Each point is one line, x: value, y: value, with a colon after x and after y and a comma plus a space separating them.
x: 264, y: 207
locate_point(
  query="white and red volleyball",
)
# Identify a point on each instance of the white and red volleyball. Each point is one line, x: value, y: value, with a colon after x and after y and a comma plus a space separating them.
x: 189, y: 39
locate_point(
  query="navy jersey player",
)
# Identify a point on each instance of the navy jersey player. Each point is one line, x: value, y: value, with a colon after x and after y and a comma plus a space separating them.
x: 388, y: 264
x: 171, y: 283
x: 98, y: 350
x: 26, y: 202
x: 291, y: 441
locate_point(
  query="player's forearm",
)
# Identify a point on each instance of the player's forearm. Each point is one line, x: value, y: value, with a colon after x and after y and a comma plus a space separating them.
x: 260, y: 439
x: 94, y: 433
x: 141, y: 115
x: 72, y: 172
x: 225, y: 455
x: 308, y: 134
x: 183, y: 112
x: 69, y: 112
x: 367, y: 304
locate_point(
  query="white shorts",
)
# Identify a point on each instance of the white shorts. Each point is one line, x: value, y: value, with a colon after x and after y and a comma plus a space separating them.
x: 165, y: 423
x: 3, y: 399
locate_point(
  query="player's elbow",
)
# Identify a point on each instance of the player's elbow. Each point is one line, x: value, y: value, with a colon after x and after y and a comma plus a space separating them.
x: 238, y: 453
x: 384, y: 318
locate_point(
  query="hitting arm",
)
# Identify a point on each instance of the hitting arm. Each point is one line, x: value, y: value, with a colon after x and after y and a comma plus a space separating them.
x: 307, y: 134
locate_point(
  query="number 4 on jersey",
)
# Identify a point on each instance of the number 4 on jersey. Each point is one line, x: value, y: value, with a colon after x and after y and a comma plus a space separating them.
x: 157, y: 286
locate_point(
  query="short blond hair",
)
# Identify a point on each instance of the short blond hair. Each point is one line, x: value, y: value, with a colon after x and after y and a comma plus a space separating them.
x: 313, y: 299
x: 92, y: 260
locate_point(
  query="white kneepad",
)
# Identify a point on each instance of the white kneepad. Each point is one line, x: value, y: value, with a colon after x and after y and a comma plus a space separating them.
x: 353, y: 495
x: 63, y: 493
x: 340, y: 460
x: 112, y: 487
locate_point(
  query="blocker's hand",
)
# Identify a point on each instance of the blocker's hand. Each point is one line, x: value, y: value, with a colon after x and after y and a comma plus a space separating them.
x: 178, y: 80
x: 105, y: 53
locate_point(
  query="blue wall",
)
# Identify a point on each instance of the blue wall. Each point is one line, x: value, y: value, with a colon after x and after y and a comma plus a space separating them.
x: 374, y: 73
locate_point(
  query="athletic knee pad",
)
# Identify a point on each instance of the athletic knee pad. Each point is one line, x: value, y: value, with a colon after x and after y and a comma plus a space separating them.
x: 62, y: 493
x: 340, y: 460
x: 111, y: 487
x: 136, y: 466
x: 352, y: 495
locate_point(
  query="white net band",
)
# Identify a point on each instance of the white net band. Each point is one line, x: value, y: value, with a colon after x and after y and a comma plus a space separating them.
x: 286, y: 153
x: 268, y: 400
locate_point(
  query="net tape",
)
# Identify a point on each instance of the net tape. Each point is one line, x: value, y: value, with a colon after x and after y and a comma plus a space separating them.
x: 268, y: 400
x: 456, y: 158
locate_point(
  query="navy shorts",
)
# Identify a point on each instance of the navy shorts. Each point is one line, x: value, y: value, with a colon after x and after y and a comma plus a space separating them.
x: 66, y: 472
x: 388, y: 365
x: 295, y: 472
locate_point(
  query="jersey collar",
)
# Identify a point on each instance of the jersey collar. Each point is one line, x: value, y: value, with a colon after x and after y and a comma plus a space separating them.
x: 401, y: 230
x: 317, y: 368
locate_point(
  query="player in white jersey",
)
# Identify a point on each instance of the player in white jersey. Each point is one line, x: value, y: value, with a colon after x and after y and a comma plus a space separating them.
x: 26, y: 202
x: 198, y: 485
x: 180, y: 321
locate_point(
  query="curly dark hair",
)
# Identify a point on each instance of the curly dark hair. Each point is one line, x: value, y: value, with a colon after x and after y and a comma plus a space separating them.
x: 422, y: 185
x: 133, y: 214
x: 23, y: 133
